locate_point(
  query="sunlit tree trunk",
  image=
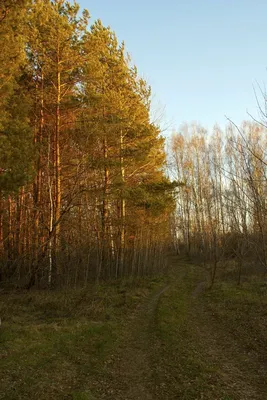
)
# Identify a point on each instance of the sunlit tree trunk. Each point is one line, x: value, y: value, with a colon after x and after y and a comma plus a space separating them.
x: 57, y: 162
x: 123, y: 204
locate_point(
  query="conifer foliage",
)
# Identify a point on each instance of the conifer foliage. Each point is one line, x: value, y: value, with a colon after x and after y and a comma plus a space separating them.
x: 83, y: 195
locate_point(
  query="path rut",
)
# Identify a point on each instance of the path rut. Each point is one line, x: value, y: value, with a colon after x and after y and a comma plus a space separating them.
x: 135, y: 376
x: 131, y: 370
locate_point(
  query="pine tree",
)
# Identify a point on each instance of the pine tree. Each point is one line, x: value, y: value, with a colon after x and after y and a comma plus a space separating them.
x: 56, y: 58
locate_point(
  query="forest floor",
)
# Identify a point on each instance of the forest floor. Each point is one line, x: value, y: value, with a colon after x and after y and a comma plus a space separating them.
x: 166, y: 338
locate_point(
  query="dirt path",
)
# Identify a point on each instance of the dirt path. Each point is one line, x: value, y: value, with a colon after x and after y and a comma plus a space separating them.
x: 175, y: 348
x: 131, y: 370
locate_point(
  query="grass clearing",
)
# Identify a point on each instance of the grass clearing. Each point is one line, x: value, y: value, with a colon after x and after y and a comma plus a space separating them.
x: 54, y: 345
x: 164, y: 338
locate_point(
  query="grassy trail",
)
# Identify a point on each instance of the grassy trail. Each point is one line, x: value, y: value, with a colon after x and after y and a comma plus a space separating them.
x: 169, y: 338
x: 187, y: 343
x: 212, y: 344
x: 131, y: 372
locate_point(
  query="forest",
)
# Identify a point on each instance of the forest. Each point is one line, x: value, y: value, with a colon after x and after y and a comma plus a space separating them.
x: 83, y: 190
x: 87, y: 191
x: 220, y: 215
x: 132, y: 263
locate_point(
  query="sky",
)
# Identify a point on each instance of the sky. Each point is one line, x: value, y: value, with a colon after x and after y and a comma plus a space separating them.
x: 204, y: 59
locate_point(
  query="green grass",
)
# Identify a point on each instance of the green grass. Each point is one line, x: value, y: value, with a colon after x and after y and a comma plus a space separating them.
x: 65, y: 344
x: 242, y: 310
x: 182, y: 371
x: 55, y: 345
x: 192, y: 334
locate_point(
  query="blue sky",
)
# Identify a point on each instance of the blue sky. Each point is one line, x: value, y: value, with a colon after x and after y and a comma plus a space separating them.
x: 201, y: 57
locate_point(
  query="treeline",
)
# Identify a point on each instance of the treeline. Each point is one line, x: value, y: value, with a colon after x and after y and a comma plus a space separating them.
x: 83, y: 195
x: 221, y: 214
